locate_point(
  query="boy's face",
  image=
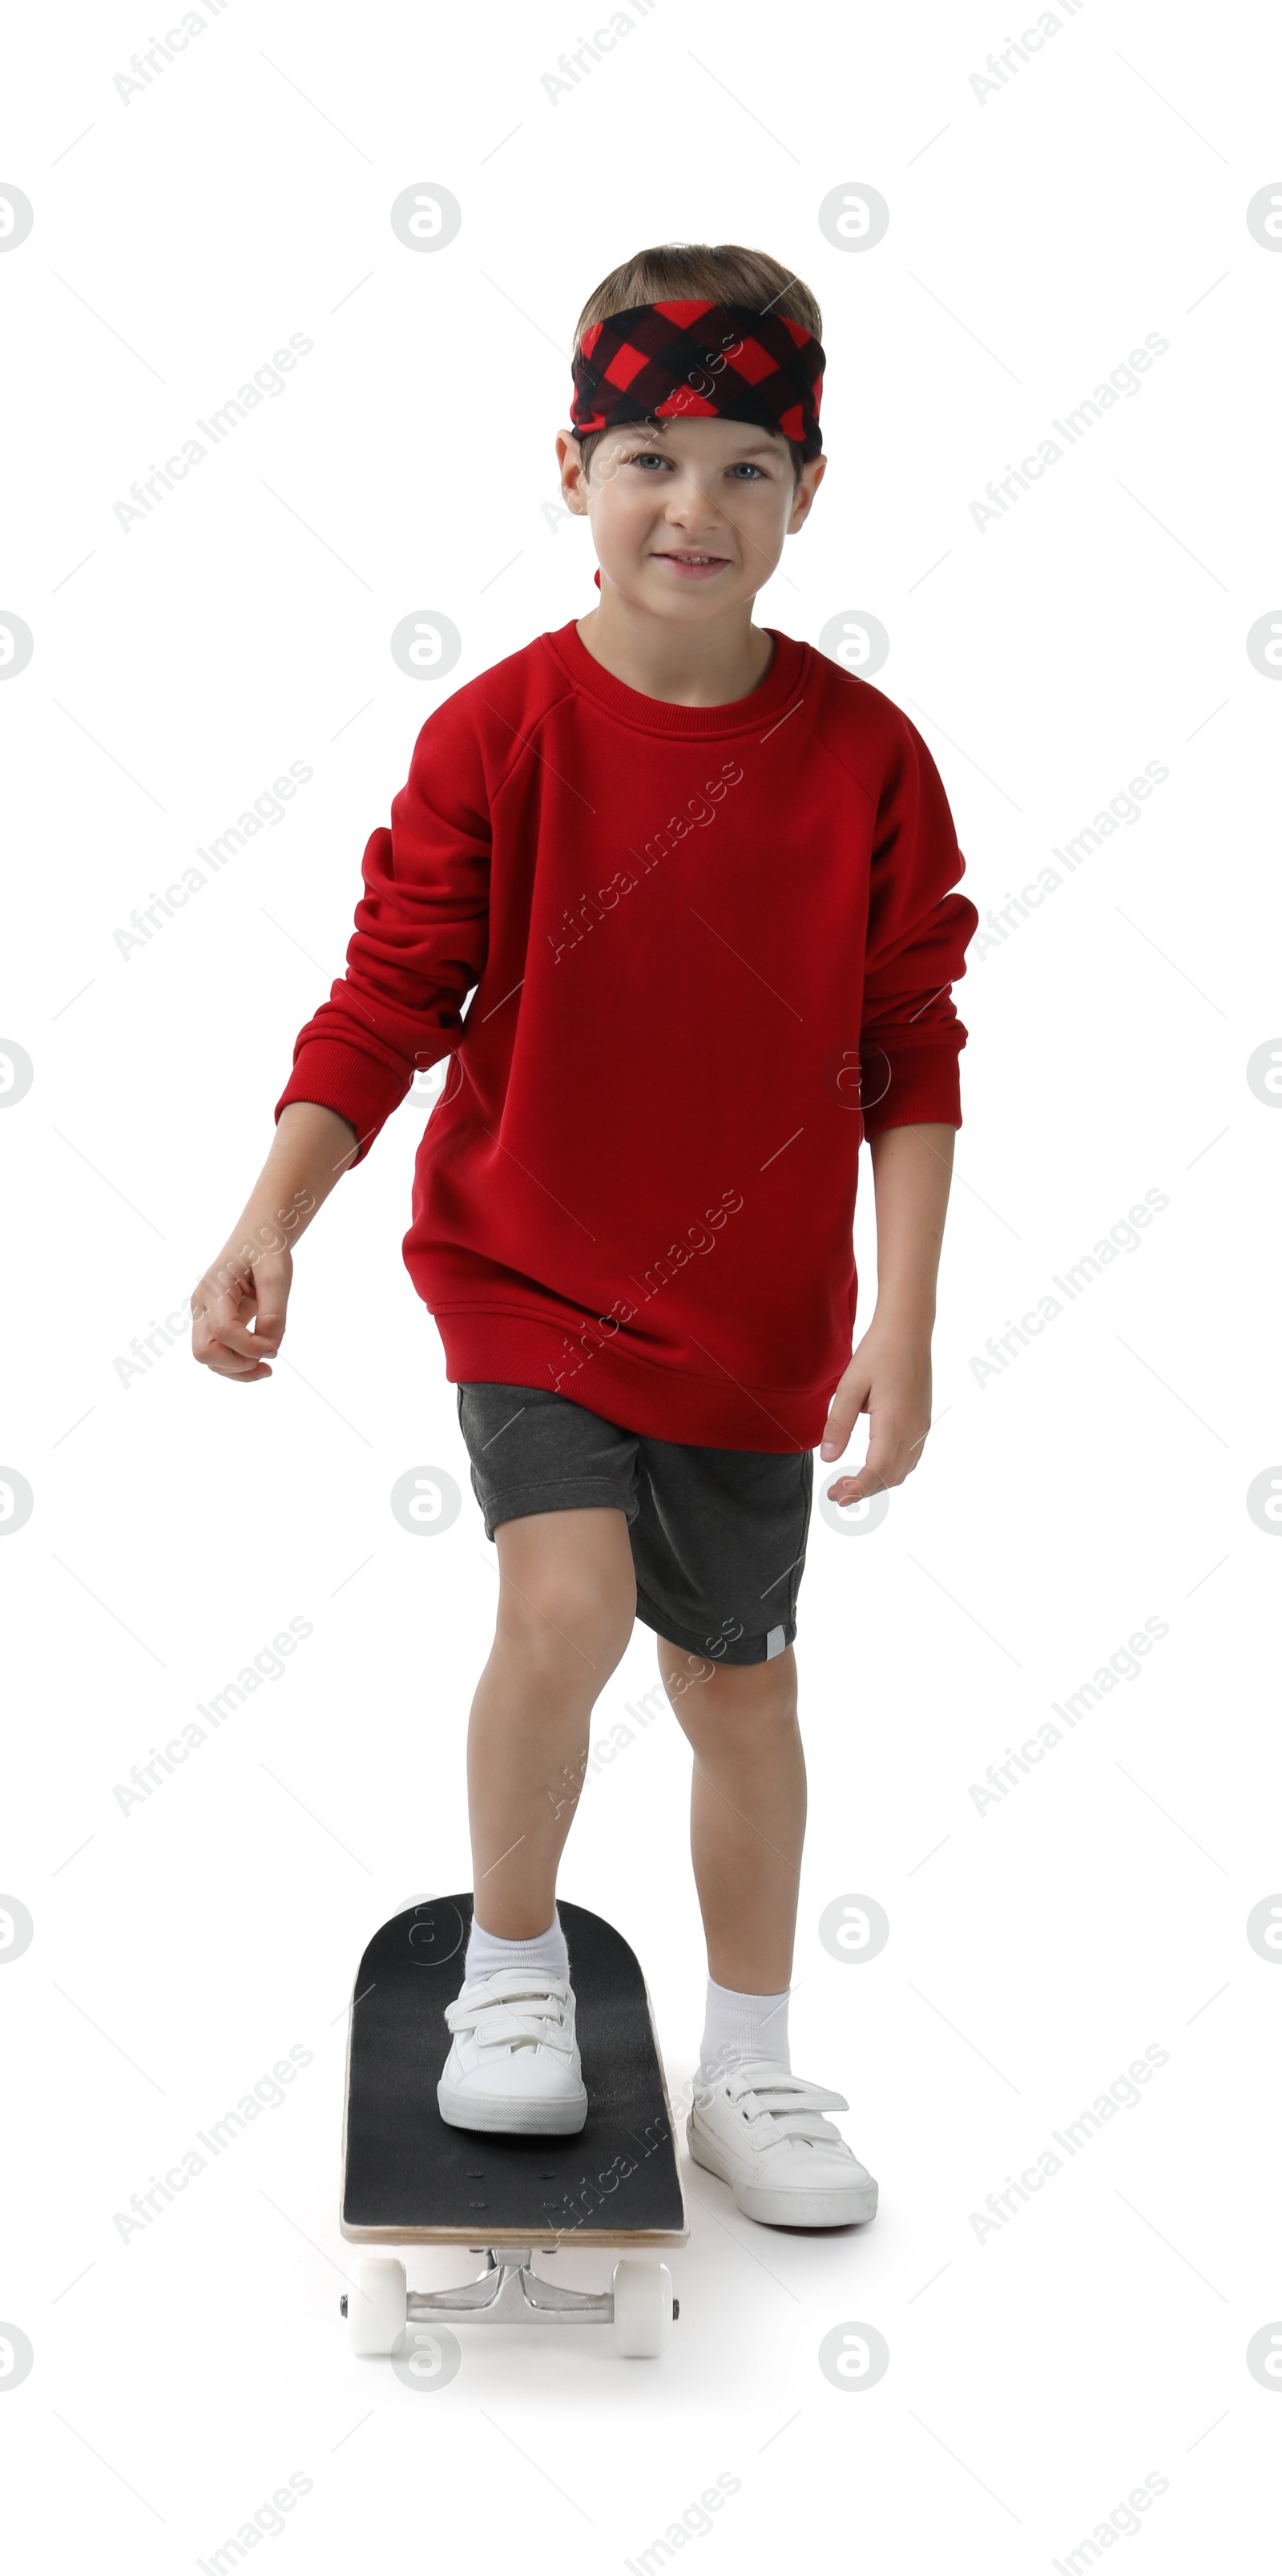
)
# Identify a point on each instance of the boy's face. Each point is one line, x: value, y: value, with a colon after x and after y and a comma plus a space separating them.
x: 688, y: 517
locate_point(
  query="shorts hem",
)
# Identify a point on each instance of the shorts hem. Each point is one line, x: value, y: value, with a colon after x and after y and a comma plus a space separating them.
x: 558, y: 1494
x: 739, y: 1650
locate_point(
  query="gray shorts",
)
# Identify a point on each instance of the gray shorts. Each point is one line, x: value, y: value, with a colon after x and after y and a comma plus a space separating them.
x: 718, y: 1535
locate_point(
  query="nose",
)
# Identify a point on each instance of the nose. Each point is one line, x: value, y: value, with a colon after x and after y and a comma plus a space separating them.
x: 690, y: 505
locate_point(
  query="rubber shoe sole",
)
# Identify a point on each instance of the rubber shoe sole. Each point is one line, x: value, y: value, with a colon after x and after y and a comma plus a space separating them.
x: 779, y: 2207
x: 539, y: 2117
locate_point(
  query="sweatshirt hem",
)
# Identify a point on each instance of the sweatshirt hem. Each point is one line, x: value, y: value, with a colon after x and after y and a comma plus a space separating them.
x: 500, y: 1346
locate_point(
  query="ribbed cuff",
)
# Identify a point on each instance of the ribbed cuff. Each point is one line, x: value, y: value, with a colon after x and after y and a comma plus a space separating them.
x: 356, y: 1086
x: 916, y: 1086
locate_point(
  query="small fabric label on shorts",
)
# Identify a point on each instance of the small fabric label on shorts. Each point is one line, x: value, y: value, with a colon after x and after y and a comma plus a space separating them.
x: 774, y: 1643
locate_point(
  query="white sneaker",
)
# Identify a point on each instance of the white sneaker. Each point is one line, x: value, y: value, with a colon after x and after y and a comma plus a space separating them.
x: 514, y: 2066
x: 760, y: 2129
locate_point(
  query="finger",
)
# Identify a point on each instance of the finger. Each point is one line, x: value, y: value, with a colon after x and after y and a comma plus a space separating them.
x: 224, y: 1325
x: 214, y: 1350
x: 227, y: 1364
x: 876, y: 1472
x: 858, y: 1487
x: 892, y: 1456
x: 843, y: 1413
x: 269, y: 1330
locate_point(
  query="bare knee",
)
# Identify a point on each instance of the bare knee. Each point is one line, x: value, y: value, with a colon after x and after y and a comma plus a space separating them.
x: 567, y: 1596
x: 568, y: 1627
x: 713, y: 1700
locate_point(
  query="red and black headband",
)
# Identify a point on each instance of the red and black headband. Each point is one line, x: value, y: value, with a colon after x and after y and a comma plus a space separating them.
x: 688, y: 358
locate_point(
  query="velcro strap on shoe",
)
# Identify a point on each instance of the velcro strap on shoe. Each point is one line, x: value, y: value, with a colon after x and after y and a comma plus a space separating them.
x: 510, y: 1986
x: 500, y: 2027
x: 766, y: 2087
x: 813, y: 2098
x: 513, y: 2005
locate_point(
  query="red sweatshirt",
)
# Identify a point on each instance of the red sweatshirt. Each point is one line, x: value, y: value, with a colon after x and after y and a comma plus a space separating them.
x: 692, y: 932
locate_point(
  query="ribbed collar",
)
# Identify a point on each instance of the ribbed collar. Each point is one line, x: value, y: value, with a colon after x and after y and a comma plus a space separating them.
x: 776, y: 692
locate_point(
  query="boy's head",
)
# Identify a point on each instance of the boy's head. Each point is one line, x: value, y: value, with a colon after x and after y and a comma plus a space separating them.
x: 689, y: 511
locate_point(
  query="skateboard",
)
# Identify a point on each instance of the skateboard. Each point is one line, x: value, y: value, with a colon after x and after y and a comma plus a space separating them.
x: 410, y: 2178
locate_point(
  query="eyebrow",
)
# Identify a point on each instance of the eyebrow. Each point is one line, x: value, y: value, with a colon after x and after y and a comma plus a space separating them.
x: 759, y: 447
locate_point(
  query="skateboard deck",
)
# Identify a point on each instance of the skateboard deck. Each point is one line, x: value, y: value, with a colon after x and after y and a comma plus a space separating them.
x: 408, y: 2177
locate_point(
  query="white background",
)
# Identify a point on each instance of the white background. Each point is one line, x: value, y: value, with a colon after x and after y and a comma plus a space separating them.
x: 1098, y: 1480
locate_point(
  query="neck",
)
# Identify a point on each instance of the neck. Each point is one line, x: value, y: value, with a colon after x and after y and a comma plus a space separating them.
x: 708, y: 665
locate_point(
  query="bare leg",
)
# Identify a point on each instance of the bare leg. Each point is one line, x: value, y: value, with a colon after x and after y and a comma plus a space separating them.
x: 747, y: 1809
x: 567, y: 1602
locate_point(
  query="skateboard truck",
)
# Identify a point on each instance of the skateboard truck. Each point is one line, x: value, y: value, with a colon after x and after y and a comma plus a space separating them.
x: 638, y: 2305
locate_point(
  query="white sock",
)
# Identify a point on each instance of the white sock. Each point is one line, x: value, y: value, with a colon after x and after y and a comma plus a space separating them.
x: 738, y: 2027
x: 487, y: 1951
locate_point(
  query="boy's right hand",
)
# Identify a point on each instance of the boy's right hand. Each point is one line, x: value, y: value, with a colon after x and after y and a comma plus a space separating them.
x: 248, y: 1285
x: 236, y: 1291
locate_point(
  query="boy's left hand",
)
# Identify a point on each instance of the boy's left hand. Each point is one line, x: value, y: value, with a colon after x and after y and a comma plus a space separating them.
x: 889, y: 1380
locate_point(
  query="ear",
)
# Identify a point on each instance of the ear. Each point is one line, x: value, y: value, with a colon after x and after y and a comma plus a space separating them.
x: 812, y: 475
x: 569, y: 460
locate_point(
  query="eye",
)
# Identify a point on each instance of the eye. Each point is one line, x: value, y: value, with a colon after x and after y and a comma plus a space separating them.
x: 645, y: 456
x: 746, y: 468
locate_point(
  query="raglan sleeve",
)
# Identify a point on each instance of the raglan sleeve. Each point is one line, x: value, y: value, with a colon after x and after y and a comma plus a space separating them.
x: 419, y: 939
x: 919, y: 927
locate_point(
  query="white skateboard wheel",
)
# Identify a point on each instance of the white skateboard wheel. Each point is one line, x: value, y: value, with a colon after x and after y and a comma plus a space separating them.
x: 375, y: 2304
x: 642, y: 2307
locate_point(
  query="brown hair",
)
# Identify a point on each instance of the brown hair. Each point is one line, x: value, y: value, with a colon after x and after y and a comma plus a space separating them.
x: 726, y: 273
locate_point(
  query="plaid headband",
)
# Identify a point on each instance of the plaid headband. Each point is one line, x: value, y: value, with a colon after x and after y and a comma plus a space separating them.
x: 695, y: 360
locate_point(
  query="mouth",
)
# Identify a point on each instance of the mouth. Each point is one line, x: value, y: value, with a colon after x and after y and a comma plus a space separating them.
x: 689, y: 564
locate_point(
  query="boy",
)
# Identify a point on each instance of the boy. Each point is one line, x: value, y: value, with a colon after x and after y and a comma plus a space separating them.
x: 702, y: 880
